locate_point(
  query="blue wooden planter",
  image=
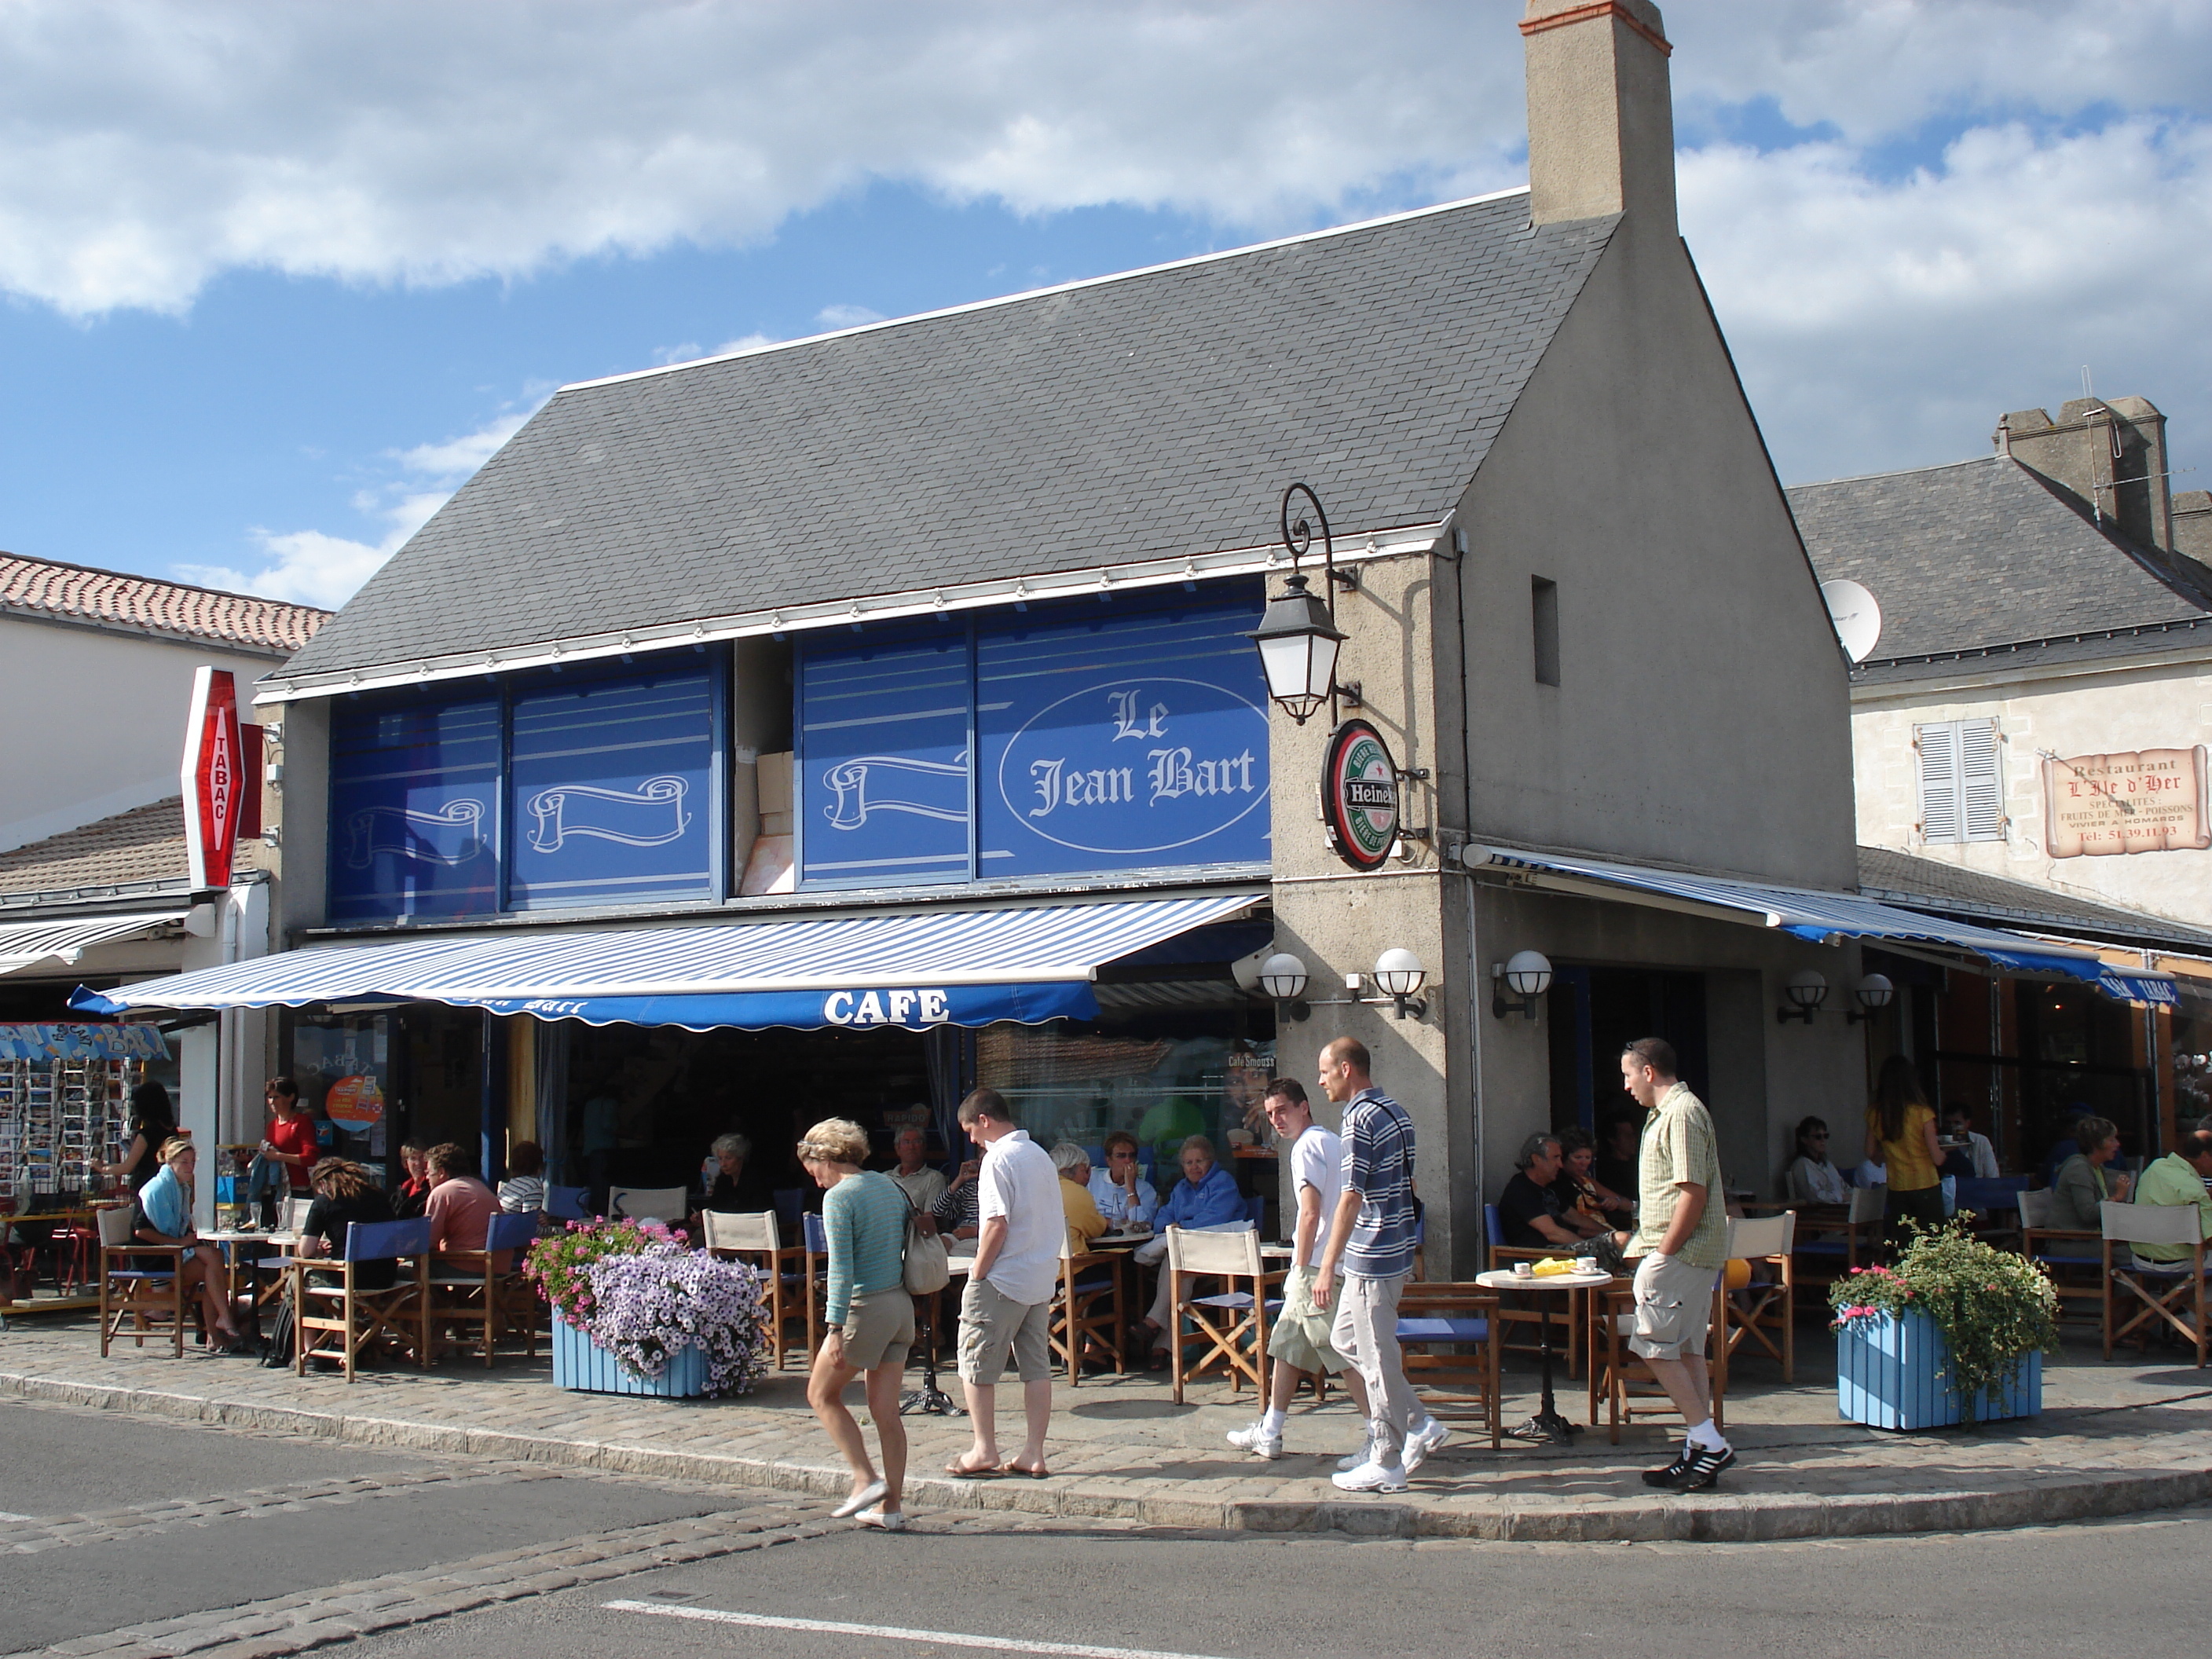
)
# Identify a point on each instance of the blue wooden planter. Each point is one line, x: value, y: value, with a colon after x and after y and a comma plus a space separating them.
x: 1886, y: 1376
x: 580, y: 1363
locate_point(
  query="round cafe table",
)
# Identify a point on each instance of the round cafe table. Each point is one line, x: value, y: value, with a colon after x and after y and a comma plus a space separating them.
x: 1546, y: 1424
x: 929, y: 1398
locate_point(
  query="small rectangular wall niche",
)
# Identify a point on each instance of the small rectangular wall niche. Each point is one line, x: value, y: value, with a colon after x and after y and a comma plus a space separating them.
x: 1544, y: 614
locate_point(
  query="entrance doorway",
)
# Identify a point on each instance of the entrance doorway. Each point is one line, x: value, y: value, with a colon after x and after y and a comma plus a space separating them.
x: 1596, y: 1012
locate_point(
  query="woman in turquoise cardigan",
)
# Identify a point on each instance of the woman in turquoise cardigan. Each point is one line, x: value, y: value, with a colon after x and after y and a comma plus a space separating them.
x: 868, y: 1312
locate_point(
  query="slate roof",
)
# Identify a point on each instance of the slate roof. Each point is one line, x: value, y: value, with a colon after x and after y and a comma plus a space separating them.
x: 1987, y: 555
x: 1157, y: 414
x: 143, y: 605
x: 137, y: 849
x: 1950, y: 889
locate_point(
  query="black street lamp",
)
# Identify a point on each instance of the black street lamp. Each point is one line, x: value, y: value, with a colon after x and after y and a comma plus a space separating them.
x: 1298, y: 635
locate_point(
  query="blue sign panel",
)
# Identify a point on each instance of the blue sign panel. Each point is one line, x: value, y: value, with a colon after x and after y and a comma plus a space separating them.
x: 414, y: 808
x: 882, y: 774
x: 610, y: 789
x: 1126, y: 740
x: 913, y: 1008
x: 1127, y: 736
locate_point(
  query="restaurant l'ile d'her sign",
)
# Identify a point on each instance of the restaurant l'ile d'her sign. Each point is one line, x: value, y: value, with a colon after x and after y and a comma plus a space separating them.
x: 2146, y: 801
x: 1359, y: 795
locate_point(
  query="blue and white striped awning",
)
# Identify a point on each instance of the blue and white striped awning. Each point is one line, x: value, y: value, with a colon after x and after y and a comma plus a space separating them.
x: 913, y: 970
x: 1826, y: 917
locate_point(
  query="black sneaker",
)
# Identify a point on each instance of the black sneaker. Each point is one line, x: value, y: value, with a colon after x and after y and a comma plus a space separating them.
x: 1674, y: 1472
x: 1704, y: 1468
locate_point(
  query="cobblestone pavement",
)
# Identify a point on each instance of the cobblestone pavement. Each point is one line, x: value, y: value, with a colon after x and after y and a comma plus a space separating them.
x: 2113, y: 1439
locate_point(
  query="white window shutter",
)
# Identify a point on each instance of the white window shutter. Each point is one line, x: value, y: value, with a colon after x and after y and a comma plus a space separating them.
x: 1981, y: 782
x: 1938, y: 745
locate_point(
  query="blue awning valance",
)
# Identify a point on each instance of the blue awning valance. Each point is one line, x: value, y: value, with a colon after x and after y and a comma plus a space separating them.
x: 1823, y: 917
x: 1030, y: 963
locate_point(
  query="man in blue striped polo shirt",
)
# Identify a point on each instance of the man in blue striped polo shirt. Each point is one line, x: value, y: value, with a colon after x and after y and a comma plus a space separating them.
x: 1370, y: 1243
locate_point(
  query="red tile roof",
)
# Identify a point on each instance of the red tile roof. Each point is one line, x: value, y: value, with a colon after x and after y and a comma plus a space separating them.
x: 111, y: 599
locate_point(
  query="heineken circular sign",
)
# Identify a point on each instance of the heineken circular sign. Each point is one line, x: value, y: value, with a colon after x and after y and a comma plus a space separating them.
x: 1359, y: 795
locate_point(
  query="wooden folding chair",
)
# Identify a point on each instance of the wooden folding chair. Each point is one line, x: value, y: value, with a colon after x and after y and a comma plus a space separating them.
x: 1232, y: 1323
x: 1448, y: 1333
x: 2073, y: 1256
x: 1764, y: 1312
x: 362, y: 1316
x: 1567, y: 1316
x: 665, y: 1204
x: 2158, y: 1285
x: 756, y: 1239
x: 132, y: 1289
x: 1087, y: 1305
x: 467, y: 1287
x: 1622, y: 1377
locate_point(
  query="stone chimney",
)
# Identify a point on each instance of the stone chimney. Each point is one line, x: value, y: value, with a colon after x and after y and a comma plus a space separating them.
x: 2192, y: 525
x: 1600, y: 113
x: 2111, y: 452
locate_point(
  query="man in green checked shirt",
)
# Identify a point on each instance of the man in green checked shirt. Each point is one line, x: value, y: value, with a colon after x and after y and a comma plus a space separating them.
x: 1681, y: 1235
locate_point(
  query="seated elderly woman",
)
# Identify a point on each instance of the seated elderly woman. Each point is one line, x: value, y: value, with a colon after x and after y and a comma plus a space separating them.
x: 161, y: 1214
x: 2083, y: 1186
x: 736, y: 1189
x: 1811, y: 1178
x: 1084, y: 1221
x: 1205, y: 1200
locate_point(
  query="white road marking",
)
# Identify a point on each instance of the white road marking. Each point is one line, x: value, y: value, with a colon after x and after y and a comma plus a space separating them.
x: 893, y: 1633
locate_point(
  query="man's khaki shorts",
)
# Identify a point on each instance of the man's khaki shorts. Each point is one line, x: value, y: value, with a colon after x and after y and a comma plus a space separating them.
x: 878, y: 1329
x: 993, y: 1325
x: 1673, y: 1308
x: 1299, y: 1334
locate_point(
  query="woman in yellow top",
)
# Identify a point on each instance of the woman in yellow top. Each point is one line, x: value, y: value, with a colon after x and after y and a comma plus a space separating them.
x: 1901, y: 1136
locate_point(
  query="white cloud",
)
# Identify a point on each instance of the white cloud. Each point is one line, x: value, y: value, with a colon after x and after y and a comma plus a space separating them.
x: 2000, y: 189
x: 847, y: 316
x: 311, y: 566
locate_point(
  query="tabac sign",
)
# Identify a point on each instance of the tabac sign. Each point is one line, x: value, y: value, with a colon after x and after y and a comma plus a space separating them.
x: 2147, y: 800
x: 1359, y: 795
x: 213, y: 777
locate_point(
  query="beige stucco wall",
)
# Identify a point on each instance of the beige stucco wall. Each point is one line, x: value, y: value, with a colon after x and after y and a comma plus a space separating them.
x: 109, y: 727
x: 1702, y: 717
x: 2163, y: 700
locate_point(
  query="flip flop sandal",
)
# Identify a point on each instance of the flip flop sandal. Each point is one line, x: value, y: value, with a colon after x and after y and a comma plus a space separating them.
x: 988, y: 1472
x: 1011, y: 1467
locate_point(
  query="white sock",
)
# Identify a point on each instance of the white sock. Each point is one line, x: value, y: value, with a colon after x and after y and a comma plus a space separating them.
x: 1271, y: 1424
x: 1705, y: 1434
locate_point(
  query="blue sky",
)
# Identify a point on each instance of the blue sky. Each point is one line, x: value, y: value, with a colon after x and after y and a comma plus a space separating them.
x: 277, y: 279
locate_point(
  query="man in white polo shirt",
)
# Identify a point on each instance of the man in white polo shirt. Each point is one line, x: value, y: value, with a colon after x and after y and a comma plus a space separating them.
x: 1007, y: 1308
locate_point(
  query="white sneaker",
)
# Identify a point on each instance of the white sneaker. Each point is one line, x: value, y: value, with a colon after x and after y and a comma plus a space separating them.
x: 884, y: 1520
x: 1256, y: 1439
x: 1353, y: 1459
x: 1372, y: 1476
x: 1423, y: 1440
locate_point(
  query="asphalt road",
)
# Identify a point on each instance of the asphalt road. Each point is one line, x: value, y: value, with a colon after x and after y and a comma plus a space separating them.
x: 330, y: 1515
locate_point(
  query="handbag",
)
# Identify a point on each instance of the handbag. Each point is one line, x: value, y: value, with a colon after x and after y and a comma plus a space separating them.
x: 276, y: 1354
x: 928, y: 1268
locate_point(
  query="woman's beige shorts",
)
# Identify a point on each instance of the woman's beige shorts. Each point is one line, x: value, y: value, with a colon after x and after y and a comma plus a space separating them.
x: 878, y: 1329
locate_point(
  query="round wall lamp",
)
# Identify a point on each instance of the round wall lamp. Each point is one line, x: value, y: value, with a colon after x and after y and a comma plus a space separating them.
x: 1282, y: 978
x: 1806, y: 990
x: 1398, y: 975
x: 1873, y: 993
x: 1527, y: 976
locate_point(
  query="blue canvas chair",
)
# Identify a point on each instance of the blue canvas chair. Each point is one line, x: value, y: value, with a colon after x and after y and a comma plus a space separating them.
x: 1567, y: 1316
x: 353, y: 1316
x: 1826, y: 1247
x: 569, y: 1203
x: 1449, y: 1334
x: 468, y: 1287
x: 1087, y: 1307
x: 142, y: 1283
x: 2073, y: 1256
x: 1994, y: 1201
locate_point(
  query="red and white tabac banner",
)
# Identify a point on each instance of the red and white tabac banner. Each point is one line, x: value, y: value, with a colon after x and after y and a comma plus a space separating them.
x: 214, y: 777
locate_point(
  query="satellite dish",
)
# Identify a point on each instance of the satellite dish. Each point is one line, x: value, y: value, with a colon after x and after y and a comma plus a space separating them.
x: 1857, y: 617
